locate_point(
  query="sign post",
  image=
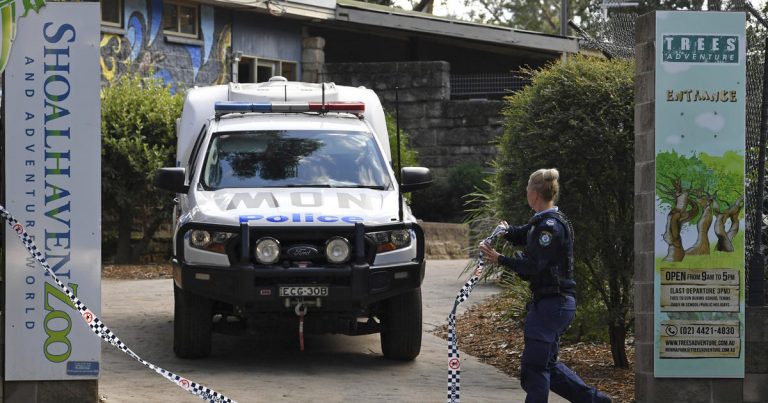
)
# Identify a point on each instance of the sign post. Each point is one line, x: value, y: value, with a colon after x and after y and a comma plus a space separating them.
x: 700, y: 148
x: 53, y: 186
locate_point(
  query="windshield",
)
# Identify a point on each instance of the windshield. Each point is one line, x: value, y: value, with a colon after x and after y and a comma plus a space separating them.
x: 297, y: 158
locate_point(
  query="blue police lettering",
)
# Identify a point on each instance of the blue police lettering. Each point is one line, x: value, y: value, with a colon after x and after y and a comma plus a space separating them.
x: 298, y: 218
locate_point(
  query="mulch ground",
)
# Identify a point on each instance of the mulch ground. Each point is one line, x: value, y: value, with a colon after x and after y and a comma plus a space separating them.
x: 136, y: 272
x: 484, y: 332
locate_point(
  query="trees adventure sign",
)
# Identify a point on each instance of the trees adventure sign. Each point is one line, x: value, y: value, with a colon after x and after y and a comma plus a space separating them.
x: 699, y: 241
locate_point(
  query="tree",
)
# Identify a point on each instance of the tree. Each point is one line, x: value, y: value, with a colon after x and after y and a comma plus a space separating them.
x: 533, y: 15
x: 695, y: 190
x: 138, y: 117
x: 578, y: 117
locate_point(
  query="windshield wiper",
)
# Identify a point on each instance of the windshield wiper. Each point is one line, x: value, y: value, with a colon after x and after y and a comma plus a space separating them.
x: 375, y: 187
x: 326, y: 185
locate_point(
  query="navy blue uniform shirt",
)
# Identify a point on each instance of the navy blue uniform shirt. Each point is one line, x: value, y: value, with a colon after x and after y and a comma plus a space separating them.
x: 547, y: 243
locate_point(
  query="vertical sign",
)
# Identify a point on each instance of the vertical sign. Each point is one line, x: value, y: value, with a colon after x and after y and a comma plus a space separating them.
x: 53, y: 174
x: 699, y: 244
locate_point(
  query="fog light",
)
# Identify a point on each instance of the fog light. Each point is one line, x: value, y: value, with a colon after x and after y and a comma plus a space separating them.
x: 199, y: 238
x: 267, y: 250
x: 337, y: 250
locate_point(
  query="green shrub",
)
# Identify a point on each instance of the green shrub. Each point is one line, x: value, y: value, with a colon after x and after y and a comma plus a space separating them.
x: 578, y: 117
x: 138, y: 118
x: 410, y: 158
x: 446, y: 200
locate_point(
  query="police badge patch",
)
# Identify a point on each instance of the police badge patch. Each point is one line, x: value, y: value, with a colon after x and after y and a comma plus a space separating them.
x: 545, y: 238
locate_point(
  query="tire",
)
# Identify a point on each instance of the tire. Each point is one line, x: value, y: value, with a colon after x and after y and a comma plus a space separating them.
x: 192, y: 323
x: 401, y: 326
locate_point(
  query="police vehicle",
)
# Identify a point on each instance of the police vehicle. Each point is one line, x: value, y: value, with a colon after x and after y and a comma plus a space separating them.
x: 288, y: 211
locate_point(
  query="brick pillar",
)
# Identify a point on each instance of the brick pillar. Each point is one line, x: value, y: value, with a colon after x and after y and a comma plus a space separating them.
x: 647, y: 387
x: 312, y: 59
x: 645, y: 193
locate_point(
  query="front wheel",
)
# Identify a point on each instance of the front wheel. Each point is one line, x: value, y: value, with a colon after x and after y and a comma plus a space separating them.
x: 192, y: 323
x: 401, y: 326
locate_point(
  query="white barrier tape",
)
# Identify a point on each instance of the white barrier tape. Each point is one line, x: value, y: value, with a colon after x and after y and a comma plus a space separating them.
x: 454, y: 362
x: 100, y: 329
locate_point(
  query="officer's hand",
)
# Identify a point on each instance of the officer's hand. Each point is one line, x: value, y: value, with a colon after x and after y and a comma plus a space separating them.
x: 489, y: 253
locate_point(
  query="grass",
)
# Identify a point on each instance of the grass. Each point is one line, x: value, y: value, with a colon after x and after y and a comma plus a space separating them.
x: 716, y: 259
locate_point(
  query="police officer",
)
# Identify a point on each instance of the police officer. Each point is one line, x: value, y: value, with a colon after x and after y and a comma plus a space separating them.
x: 547, y: 263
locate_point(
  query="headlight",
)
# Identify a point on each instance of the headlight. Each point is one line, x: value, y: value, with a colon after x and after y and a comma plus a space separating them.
x: 390, y: 240
x: 337, y: 250
x: 210, y: 241
x: 267, y: 250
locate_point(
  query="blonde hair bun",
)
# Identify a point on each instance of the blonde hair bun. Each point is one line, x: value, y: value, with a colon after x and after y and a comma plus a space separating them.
x: 551, y: 174
x: 544, y: 182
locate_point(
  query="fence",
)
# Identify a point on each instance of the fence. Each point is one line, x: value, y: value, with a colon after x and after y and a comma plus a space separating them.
x: 485, y: 85
x: 615, y: 38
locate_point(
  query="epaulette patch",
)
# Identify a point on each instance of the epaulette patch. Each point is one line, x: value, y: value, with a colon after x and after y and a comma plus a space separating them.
x: 550, y: 222
x: 545, y: 238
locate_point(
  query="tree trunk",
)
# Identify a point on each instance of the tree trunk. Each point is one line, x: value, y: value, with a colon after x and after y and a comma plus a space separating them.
x: 725, y: 237
x: 125, y: 225
x: 618, y: 335
x: 149, y: 232
x: 675, y: 252
x: 701, y: 247
x: 675, y: 220
x: 723, y: 243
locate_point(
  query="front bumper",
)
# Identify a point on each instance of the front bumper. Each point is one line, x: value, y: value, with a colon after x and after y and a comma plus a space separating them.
x: 255, y: 288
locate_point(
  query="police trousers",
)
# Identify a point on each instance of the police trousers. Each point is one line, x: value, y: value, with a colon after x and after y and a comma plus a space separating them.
x: 541, y: 372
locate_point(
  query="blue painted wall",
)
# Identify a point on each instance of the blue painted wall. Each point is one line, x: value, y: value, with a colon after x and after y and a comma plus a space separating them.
x: 143, y: 48
x: 267, y: 37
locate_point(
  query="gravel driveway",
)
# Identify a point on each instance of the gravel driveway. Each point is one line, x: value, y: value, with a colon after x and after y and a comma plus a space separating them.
x: 269, y: 368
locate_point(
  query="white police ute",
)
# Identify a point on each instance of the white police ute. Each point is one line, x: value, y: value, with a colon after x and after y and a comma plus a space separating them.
x: 288, y: 210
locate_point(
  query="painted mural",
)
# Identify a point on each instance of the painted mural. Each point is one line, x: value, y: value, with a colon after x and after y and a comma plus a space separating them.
x: 143, y: 48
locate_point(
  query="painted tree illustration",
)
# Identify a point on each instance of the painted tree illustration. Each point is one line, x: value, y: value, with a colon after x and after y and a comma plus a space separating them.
x: 729, y: 198
x: 699, y: 189
x: 679, y: 180
x: 701, y: 247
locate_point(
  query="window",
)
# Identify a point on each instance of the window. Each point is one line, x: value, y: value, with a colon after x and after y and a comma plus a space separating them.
x: 180, y: 19
x: 265, y: 69
x: 288, y: 70
x: 253, y: 70
x: 111, y: 13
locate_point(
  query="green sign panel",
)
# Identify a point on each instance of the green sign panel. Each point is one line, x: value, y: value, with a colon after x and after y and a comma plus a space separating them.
x: 699, y: 222
x: 689, y: 48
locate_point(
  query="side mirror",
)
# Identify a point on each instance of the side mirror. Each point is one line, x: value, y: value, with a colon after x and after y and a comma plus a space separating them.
x: 415, y: 178
x: 171, y: 179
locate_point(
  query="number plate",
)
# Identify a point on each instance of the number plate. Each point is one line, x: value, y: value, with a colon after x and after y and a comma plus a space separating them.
x: 303, y: 291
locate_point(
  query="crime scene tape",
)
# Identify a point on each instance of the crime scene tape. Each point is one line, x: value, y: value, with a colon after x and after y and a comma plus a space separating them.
x: 100, y: 329
x: 454, y: 362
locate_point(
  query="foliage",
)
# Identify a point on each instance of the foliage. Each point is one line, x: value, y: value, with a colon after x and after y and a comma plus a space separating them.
x: 578, y: 117
x: 701, y: 173
x: 410, y: 158
x: 138, y: 117
x: 445, y: 200
x: 533, y: 15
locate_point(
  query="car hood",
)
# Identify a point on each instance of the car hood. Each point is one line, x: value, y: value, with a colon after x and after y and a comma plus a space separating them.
x: 294, y: 206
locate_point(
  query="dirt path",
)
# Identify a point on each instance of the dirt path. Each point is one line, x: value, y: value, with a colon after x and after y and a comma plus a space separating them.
x: 269, y: 368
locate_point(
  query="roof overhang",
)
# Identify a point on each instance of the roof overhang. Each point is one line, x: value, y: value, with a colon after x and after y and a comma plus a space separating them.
x: 385, y: 17
x: 301, y: 9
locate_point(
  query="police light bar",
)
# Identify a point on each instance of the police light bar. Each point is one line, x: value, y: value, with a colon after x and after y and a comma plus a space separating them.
x: 224, y: 107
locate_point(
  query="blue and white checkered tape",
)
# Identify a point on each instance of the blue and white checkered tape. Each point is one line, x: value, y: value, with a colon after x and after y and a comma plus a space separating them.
x: 454, y: 361
x: 100, y: 329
